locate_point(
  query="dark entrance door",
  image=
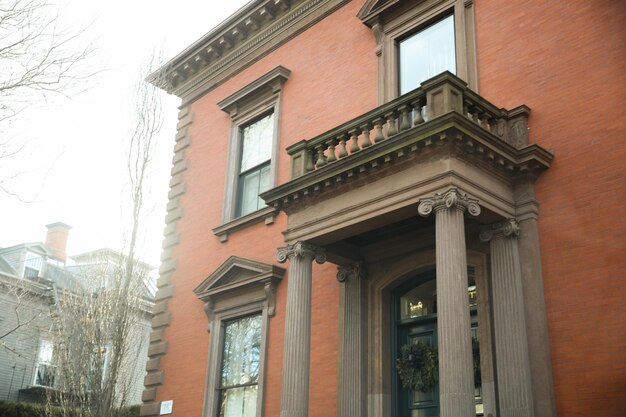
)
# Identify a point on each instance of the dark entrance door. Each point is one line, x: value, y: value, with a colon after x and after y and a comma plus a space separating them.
x: 415, y: 317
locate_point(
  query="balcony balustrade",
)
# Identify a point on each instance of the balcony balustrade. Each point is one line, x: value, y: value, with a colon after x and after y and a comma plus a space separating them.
x: 442, y: 110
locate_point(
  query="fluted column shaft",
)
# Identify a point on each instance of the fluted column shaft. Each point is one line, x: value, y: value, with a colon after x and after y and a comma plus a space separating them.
x: 456, y: 376
x: 511, y: 346
x: 352, y: 384
x: 297, y: 348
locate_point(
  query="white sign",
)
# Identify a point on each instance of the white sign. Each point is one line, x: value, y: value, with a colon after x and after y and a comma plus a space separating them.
x: 166, y: 407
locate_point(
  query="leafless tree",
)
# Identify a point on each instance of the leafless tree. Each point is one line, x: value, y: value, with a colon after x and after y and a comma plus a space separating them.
x: 38, y: 58
x: 25, y: 315
x: 97, y: 326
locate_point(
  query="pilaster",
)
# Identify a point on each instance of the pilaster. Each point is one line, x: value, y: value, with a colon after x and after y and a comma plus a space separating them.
x: 527, y: 212
x: 456, y: 376
x: 297, y: 349
x: 510, y: 337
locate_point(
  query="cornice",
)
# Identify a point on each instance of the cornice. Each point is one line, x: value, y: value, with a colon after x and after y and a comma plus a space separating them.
x: 269, y: 83
x: 251, y: 33
x: 451, y: 133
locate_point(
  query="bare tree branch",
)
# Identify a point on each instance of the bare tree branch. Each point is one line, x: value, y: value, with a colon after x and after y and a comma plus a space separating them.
x: 38, y: 59
x: 97, y: 325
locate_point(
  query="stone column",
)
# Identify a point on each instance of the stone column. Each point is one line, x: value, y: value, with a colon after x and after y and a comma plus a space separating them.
x: 352, y: 383
x: 295, y: 389
x: 513, y: 365
x: 456, y: 375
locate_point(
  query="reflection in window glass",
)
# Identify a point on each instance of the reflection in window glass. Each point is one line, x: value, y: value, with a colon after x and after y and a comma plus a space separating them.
x: 427, y: 53
x: 254, y: 170
x: 420, y: 301
x: 241, y: 357
x: 44, y: 373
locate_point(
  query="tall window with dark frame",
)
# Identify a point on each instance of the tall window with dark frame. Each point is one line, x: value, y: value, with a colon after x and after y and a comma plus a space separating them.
x: 241, y: 358
x: 427, y: 53
x: 255, y: 164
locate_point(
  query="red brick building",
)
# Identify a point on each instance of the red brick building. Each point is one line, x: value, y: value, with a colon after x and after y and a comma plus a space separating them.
x: 455, y: 167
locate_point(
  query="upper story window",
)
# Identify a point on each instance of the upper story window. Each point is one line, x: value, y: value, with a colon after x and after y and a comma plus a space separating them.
x: 255, y: 165
x: 427, y: 53
x: 419, y: 39
x: 32, y: 265
x: 252, y: 151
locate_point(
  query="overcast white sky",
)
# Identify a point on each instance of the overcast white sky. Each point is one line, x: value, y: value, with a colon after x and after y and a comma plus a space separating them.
x: 73, y: 166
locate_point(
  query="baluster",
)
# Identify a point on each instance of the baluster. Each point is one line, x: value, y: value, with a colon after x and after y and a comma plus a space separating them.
x: 404, y: 118
x: 488, y: 119
x: 378, y: 126
x: 331, y: 151
x: 342, y: 147
x: 366, y: 142
x: 475, y: 115
x: 483, y: 121
x: 354, y: 144
x: 321, y: 159
x: 393, y: 127
x: 418, y: 119
x: 466, y: 110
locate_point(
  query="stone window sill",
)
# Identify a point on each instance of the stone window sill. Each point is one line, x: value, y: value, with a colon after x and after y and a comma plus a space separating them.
x: 268, y: 214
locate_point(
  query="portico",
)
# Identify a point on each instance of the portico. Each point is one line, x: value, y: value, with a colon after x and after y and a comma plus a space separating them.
x: 438, y: 179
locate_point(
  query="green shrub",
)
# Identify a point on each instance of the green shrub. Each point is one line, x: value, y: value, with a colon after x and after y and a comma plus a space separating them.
x: 11, y: 409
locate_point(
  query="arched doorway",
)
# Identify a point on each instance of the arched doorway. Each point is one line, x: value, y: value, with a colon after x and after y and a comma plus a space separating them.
x: 414, y: 315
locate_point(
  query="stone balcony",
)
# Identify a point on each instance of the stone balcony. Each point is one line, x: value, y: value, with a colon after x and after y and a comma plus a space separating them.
x: 484, y: 146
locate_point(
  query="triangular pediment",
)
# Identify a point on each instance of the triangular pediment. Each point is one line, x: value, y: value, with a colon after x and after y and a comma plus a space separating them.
x: 373, y: 8
x: 235, y: 273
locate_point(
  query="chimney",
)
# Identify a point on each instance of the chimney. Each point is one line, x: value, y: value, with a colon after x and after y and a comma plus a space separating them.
x: 56, y: 240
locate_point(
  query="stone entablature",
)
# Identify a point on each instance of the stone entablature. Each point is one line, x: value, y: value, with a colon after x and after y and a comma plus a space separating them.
x: 251, y: 33
x: 455, y: 116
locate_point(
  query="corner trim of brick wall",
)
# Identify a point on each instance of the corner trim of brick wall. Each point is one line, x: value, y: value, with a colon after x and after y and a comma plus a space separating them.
x: 161, y: 317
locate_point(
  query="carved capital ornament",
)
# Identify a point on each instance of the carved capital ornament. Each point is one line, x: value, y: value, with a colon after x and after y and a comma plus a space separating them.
x: 351, y: 271
x: 450, y: 199
x: 301, y: 249
x: 506, y: 228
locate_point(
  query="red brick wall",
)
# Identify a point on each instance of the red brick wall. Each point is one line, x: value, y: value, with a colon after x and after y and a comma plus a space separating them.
x: 567, y: 61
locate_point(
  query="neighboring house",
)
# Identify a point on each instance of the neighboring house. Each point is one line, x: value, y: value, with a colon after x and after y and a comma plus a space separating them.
x: 32, y: 275
x: 448, y: 172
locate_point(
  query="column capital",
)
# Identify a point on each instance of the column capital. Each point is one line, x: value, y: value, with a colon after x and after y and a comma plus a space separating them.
x: 301, y: 249
x: 506, y: 228
x: 446, y: 200
x: 356, y: 270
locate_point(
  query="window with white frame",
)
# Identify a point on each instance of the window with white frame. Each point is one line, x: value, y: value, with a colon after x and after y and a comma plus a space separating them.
x: 44, y: 370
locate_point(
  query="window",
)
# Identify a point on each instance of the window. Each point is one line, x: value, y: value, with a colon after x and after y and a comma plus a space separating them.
x: 252, y: 151
x: 418, y: 40
x: 44, y: 371
x: 239, y: 299
x: 241, y: 353
x: 255, y: 163
x: 427, y: 53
